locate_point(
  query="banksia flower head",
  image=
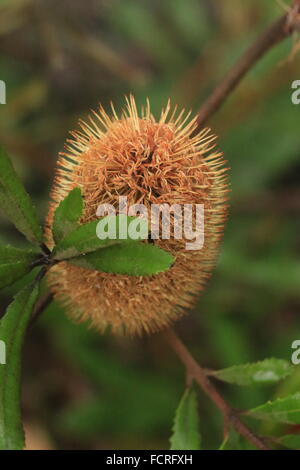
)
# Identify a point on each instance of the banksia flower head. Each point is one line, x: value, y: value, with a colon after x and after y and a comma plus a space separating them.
x: 151, y: 162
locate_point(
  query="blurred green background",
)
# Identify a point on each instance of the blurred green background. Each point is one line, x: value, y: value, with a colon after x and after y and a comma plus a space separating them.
x: 61, y: 58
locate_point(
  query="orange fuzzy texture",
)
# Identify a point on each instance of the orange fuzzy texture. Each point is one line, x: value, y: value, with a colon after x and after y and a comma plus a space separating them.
x: 164, y: 161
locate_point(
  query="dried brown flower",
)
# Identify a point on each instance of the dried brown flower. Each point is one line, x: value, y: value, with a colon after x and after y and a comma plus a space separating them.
x: 149, y: 161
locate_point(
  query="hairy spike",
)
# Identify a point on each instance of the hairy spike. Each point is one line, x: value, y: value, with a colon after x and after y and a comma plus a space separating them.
x: 164, y: 161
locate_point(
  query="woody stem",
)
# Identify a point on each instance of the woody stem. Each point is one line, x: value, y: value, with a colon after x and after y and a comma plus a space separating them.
x: 277, y: 32
x: 195, y: 370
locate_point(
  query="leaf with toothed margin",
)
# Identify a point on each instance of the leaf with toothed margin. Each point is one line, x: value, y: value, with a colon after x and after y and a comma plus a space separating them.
x: 14, y: 264
x: 16, y: 203
x: 263, y: 372
x: 283, y: 410
x: 12, y: 331
x: 186, y: 434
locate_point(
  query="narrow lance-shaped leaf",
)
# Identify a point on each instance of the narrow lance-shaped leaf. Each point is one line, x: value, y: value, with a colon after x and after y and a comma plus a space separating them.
x: 133, y: 259
x: 67, y: 215
x: 264, y: 372
x: 16, y: 203
x: 12, y: 331
x: 283, y: 410
x: 186, y: 435
x: 14, y: 264
x: 85, y: 238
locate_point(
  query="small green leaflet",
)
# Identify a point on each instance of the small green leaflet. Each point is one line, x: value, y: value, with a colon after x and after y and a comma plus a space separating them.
x: 84, y: 239
x: 12, y: 331
x: 16, y: 203
x: 186, y: 435
x: 67, y: 215
x: 14, y: 264
x: 283, y: 410
x: 133, y: 259
x: 264, y: 372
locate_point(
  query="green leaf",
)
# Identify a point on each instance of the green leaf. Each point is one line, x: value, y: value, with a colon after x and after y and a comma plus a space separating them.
x: 230, y: 444
x: 12, y: 331
x: 233, y: 441
x: 291, y: 441
x: 14, y: 264
x: 16, y: 203
x: 186, y: 435
x: 133, y: 259
x: 67, y: 215
x: 264, y: 372
x: 283, y: 410
x: 84, y: 239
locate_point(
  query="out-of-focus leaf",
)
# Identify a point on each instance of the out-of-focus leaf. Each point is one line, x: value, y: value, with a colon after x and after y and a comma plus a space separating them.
x: 12, y: 331
x: 283, y: 271
x: 85, y: 238
x: 16, y: 203
x: 186, y: 434
x: 273, y: 150
x: 190, y: 20
x: 134, y: 259
x: 283, y: 410
x: 290, y: 385
x: 67, y: 215
x: 233, y: 441
x: 291, y: 441
x: 14, y: 264
x: 118, y: 379
x: 264, y: 372
x: 139, y: 23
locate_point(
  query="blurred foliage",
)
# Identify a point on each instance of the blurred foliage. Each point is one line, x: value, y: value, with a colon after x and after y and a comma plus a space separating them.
x: 59, y: 59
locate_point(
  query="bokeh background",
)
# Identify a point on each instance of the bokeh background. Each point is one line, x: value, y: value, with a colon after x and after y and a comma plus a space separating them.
x: 59, y: 59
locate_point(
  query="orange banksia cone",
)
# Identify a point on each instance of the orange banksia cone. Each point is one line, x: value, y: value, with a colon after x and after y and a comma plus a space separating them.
x: 164, y: 161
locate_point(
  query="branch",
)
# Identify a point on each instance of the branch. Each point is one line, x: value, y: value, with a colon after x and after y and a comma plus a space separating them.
x: 41, y: 305
x: 195, y: 370
x: 276, y: 33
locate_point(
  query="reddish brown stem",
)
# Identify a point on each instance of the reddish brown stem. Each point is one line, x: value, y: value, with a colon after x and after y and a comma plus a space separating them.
x: 276, y: 33
x: 196, y: 371
x: 41, y: 305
